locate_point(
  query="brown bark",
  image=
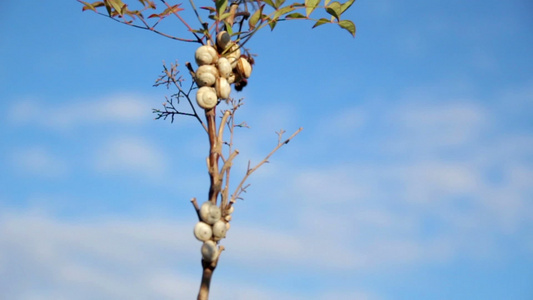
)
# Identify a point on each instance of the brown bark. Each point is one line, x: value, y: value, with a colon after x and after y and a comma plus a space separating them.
x: 207, y: 273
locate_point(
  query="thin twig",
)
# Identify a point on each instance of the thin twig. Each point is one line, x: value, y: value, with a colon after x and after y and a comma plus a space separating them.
x: 249, y: 171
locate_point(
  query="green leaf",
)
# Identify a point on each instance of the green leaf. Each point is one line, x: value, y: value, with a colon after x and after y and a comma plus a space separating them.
x: 255, y: 17
x: 116, y: 5
x: 272, y: 24
x: 87, y: 6
x: 210, y: 9
x: 348, y: 25
x: 310, y: 6
x: 321, y: 22
x: 221, y: 6
x: 282, y: 11
x: 171, y: 10
x: 279, y: 3
x: 224, y: 16
x: 229, y: 29
x: 346, y: 5
x: 326, y: 2
x: 295, y: 16
x: 334, y: 9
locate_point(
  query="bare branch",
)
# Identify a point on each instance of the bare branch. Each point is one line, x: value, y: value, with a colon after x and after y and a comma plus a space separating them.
x: 249, y: 171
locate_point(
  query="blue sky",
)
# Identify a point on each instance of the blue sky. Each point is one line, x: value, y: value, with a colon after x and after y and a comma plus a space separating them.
x: 412, y: 178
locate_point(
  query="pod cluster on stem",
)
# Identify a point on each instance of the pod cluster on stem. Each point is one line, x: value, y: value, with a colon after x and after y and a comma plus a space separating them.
x: 212, y: 227
x: 220, y: 66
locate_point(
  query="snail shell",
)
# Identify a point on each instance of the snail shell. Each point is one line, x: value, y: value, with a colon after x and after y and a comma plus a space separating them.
x: 219, y: 230
x: 244, y: 67
x: 229, y: 209
x: 209, y: 251
x: 206, y: 97
x: 224, y: 67
x: 223, y: 88
x: 210, y: 213
x: 206, y: 75
x: 233, y: 55
x: 205, y: 55
x: 203, y: 231
x: 231, y: 78
x: 223, y: 39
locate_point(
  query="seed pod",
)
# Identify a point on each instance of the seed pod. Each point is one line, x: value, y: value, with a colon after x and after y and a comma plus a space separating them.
x: 219, y: 230
x: 210, y: 213
x: 209, y: 251
x: 203, y: 231
x: 206, y: 97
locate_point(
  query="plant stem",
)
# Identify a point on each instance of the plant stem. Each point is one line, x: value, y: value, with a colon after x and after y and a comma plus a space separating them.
x: 207, y: 273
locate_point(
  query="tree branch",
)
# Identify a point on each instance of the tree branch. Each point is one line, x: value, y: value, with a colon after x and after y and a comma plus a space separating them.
x: 249, y: 171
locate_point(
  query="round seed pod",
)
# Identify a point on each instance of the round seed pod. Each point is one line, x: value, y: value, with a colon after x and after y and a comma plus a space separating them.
x: 203, y: 231
x: 209, y: 251
x: 206, y: 97
x: 219, y: 230
x: 210, y: 213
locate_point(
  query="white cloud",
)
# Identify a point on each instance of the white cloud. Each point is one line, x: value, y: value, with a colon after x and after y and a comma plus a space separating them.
x: 128, y: 259
x: 131, y: 155
x: 117, y: 108
x: 38, y: 161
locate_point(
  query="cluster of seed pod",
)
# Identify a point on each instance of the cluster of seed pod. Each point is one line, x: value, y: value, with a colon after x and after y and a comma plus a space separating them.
x: 212, y: 228
x: 218, y: 67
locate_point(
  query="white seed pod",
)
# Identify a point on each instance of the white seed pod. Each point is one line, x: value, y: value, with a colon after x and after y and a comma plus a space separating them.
x: 206, y: 97
x: 209, y: 251
x: 219, y: 230
x: 206, y: 75
x: 210, y: 213
x: 223, y: 88
x: 203, y: 231
x: 244, y: 67
x: 206, y: 55
x: 224, y: 67
x: 223, y: 39
x: 233, y: 55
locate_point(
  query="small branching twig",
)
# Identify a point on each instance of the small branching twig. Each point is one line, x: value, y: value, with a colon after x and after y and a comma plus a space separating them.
x: 249, y: 170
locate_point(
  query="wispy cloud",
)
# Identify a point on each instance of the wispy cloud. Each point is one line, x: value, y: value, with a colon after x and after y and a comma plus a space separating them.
x: 117, y: 108
x: 120, y: 259
x: 38, y: 161
x: 130, y: 155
